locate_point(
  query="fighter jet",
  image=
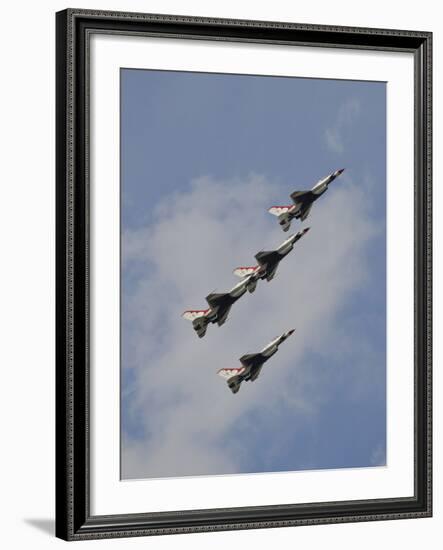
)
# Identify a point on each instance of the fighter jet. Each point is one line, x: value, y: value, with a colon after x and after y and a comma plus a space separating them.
x: 219, y: 307
x: 267, y: 262
x: 303, y: 201
x: 251, y: 364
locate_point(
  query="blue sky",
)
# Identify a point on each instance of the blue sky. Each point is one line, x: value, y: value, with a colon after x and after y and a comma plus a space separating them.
x: 203, y: 157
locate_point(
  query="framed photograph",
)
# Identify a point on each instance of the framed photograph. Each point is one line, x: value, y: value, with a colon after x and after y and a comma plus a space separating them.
x: 243, y: 274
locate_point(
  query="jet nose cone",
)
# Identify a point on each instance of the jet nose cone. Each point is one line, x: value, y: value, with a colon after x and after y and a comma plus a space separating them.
x: 340, y: 171
x: 291, y: 331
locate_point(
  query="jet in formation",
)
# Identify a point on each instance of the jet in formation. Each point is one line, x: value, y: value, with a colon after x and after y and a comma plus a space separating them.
x: 268, y: 261
x: 221, y: 303
x: 251, y: 364
x: 219, y: 307
x: 302, y: 202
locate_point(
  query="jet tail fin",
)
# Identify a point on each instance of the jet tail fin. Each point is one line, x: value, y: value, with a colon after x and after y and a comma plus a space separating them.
x: 233, y: 377
x: 199, y: 320
x: 284, y: 221
x: 244, y: 271
x: 200, y: 325
x: 229, y: 373
x: 279, y: 210
x: 193, y: 314
x: 234, y: 383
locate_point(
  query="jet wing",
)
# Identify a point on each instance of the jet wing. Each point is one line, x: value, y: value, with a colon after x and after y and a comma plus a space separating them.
x: 301, y: 196
x: 252, y: 360
x: 305, y: 212
x: 271, y: 273
x: 255, y: 373
x: 266, y: 257
x: 253, y: 363
x: 222, y: 314
x: 214, y: 299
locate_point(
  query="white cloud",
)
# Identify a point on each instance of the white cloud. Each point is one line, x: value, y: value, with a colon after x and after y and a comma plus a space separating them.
x: 185, y: 411
x: 337, y: 135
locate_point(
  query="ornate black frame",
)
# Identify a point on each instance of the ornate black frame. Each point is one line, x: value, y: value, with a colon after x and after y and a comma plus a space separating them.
x: 73, y: 518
